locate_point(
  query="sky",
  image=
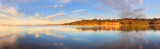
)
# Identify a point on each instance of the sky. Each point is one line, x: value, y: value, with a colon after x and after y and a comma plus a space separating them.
x: 33, y: 12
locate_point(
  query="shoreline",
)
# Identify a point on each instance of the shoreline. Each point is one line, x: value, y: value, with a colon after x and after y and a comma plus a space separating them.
x: 81, y: 25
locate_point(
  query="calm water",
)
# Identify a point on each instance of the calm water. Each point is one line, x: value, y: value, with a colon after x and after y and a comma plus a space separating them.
x: 79, y: 37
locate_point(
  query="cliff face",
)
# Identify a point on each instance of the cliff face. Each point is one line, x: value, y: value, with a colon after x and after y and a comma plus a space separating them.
x: 156, y: 22
x: 111, y: 23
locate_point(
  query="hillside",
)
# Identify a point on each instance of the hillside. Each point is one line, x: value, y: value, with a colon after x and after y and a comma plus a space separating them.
x: 124, y: 21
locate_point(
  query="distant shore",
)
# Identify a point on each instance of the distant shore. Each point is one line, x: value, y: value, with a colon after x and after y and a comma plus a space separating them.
x: 80, y: 25
x: 124, y: 21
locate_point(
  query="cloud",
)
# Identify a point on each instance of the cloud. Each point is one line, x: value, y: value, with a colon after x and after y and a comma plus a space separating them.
x: 99, y: 7
x: 57, y: 3
x: 125, y: 7
x: 25, y: 22
x: 131, y: 6
x: 11, y: 16
x: 51, y: 16
x: 7, y: 16
x: 77, y: 11
x: 11, y: 10
x: 61, y: 1
x: 66, y: 20
x: 140, y: 2
x: 55, y: 6
x: 58, y: 11
x: 96, y: 16
x: 21, y: 1
x: 37, y: 14
x: 10, y: 13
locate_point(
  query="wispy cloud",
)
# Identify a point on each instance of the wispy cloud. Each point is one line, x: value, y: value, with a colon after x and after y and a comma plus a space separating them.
x: 58, y: 3
x: 37, y: 14
x: 21, y: 1
x: 59, y: 11
x: 11, y: 10
x: 55, y: 6
x: 102, y: 8
x: 7, y: 16
x: 96, y: 16
x: 77, y: 11
x: 10, y: 13
x: 51, y: 16
x: 61, y: 1
x: 11, y: 16
x: 66, y: 20
x: 140, y: 2
x: 73, y: 11
x: 125, y: 7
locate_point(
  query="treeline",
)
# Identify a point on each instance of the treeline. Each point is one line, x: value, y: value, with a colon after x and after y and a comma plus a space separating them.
x: 124, y: 21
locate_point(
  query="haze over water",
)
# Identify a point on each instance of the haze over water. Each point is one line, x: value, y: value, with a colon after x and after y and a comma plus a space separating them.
x: 80, y: 37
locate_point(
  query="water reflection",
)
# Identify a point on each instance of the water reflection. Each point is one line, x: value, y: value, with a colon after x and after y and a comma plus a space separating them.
x: 80, y: 37
x: 121, y: 28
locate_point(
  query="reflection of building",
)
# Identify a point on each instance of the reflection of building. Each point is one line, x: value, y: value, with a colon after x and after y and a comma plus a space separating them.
x: 111, y: 23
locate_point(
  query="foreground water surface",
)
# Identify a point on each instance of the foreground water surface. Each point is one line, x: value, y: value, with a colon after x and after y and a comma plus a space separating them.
x: 80, y: 37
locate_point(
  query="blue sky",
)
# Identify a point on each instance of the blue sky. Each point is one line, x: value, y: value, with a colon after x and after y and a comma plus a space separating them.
x: 24, y: 12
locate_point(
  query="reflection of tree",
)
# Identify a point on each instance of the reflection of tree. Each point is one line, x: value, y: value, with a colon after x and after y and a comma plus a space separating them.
x: 121, y: 28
